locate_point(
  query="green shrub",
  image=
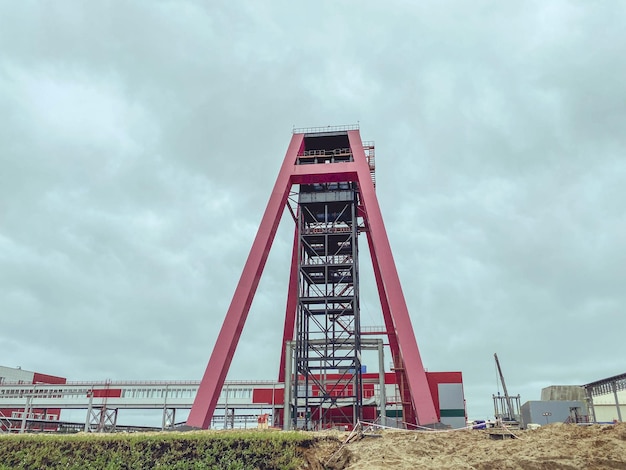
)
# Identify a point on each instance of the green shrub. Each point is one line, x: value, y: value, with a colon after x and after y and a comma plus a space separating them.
x: 232, y: 450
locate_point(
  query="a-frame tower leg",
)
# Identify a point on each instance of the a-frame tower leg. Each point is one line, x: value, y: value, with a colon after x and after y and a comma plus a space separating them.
x: 402, y: 341
x: 213, y: 380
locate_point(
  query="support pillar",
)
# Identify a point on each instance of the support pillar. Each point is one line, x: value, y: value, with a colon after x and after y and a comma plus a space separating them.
x: 169, y: 418
x: 381, y: 381
x: 287, y: 421
x: 617, y: 405
x: 26, y: 413
x: 101, y: 419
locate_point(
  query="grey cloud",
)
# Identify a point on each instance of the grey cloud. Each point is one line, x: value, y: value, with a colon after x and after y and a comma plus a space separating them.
x: 139, y: 143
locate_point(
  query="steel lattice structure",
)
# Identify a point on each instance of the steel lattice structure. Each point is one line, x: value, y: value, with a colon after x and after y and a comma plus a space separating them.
x: 327, y: 374
x: 336, y: 201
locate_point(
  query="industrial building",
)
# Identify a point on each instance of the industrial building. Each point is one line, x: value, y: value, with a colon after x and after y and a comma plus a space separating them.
x: 44, y: 415
x: 553, y: 411
x: 606, y: 398
x: 601, y: 401
x: 31, y: 401
x: 34, y: 405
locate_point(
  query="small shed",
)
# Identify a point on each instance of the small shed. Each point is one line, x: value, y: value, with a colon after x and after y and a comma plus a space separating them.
x: 552, y: 411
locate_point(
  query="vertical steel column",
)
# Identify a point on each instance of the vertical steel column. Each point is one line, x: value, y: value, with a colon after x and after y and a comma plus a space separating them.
x: 287, y: 413
x: 89, y: 408
x: 169, y: 418
x: 590, y: 406
x: 26, y: 413
x: 617, y: 405
x: 381, y: 381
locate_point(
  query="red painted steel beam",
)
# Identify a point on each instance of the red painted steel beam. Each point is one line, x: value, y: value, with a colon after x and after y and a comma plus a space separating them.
x: 408, y: 411
x: 224, y: 349
x: 398, y: 311
x: 325, y: 173
x: 292, y: 304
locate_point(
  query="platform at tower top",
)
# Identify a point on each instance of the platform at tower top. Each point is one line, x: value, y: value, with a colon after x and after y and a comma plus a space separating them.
x: 323, y: 129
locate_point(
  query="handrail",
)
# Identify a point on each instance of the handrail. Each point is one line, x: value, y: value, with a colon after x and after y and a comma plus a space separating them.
x: 84, y: 383
x: 373, y: 329
x: 323, y: 153
x: 315, y: 130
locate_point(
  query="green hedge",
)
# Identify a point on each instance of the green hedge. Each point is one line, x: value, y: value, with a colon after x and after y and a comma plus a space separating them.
x: 231, y: 450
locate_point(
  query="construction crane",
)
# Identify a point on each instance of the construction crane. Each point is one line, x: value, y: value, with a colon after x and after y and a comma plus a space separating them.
x: 507, y: 398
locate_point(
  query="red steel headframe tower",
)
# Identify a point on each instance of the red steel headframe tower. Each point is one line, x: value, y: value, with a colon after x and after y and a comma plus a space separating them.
x: 337, y: 200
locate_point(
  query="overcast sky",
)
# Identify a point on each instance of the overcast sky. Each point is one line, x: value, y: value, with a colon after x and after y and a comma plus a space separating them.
x: 140, y: 140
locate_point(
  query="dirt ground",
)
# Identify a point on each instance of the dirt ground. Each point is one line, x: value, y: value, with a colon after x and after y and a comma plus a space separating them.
x: 557, y: 446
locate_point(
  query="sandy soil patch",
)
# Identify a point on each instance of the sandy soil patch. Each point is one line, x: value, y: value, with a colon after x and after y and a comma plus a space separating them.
x: 552, y: 447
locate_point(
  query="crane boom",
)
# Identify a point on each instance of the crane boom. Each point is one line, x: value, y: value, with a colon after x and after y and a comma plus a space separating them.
x: 509, y: 405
